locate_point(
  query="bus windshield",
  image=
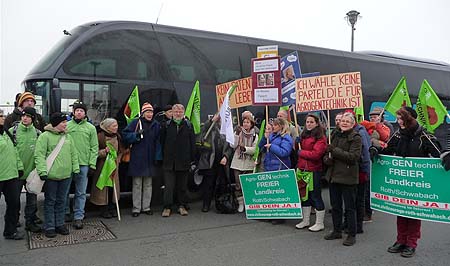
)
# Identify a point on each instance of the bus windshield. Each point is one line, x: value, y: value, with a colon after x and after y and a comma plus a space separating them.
x: 50, y: 57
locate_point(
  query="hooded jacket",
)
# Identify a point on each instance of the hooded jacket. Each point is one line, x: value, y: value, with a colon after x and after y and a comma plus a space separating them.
x: 65, y: 163
x: 84, y: 135
x: 280, y: 147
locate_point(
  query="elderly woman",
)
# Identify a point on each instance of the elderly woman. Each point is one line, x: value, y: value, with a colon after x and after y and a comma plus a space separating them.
x: 410, y: 141
x: 245, y: 140
x: 105, y: 197
x: 342, y: 157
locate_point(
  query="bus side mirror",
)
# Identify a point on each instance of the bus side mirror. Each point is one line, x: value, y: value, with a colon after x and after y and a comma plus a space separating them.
x: 55, y: 99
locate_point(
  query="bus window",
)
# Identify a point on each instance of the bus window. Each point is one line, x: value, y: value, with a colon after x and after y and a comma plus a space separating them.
x: 118, y: 54
x: 209, y: 60
x: 96, y: 96
x: 70, y: 92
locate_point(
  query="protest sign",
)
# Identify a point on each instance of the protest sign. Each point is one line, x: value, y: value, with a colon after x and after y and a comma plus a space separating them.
x: 267, y: 51
x: 410, y: 187
x: 290, y: 70
x: 266, y: 81
x: 328, y: 92
x: 242, y: 95
x: 271, y: 195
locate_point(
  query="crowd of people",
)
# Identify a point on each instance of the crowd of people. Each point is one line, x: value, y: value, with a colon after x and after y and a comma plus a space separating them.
x: 167, y: 146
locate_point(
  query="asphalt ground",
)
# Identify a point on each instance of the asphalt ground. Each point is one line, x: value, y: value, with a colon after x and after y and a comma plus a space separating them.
x: 219, y: 239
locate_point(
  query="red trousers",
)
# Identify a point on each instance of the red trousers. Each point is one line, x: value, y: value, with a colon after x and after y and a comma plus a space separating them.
x: 408, y: 231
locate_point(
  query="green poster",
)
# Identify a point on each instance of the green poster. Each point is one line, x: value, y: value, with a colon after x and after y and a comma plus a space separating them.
x: 411, y: 187
x: 271, y: 195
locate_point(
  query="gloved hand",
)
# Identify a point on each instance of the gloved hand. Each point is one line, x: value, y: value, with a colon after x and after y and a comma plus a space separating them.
x: 242, y: 148
x: 373, y: 152
x: 330, y: 148
x: 238, y: 130
x: 140, y: 131
x: 20, y: 172
x: 193, y: 167
x: 43, y: 177
x: 91, y: 171
x: 445, y: 157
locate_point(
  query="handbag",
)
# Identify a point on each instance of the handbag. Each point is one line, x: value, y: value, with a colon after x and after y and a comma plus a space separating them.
x: 305, y: 183
x: 34, y: 183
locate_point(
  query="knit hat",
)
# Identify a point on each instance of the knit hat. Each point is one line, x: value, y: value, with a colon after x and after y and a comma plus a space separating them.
x: 57, y: 118
x: 376, y: 111
x: 29, y: 111
x: 146, y: 107
x: 411, y: 111
x: 79, y: 104
x: 25, y: 96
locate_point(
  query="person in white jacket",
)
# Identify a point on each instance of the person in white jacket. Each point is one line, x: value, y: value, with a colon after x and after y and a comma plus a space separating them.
x: 245, y: 140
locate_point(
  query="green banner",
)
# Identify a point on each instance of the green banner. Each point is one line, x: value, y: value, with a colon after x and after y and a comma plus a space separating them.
x: 411, y: 187
x: 271, y: 195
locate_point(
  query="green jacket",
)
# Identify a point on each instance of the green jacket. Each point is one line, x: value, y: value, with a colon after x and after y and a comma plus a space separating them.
x: 85, y: 136
x: 65, y: 163
x: 10, y: 162
x: 26, y: 137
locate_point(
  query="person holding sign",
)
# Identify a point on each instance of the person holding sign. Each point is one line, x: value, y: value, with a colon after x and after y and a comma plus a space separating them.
x: 245, y: 140
x: 277, y: 146
x: 311, y: 149
x: 342, y: 157
x: 410, y: 141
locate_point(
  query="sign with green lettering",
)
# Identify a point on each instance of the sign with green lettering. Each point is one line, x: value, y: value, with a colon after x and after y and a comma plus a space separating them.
x: 271, y: 195
x: 411, y: 187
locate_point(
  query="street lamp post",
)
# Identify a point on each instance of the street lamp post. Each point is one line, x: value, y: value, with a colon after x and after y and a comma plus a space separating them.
x: 352, y: 17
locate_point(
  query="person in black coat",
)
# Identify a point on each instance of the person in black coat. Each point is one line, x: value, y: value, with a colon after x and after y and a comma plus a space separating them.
x: 23, y: 100
x: 178, y: 141
x: 143, y: 134
x: 411, y: 140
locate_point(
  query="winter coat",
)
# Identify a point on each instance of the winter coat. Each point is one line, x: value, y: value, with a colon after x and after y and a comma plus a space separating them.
x: 25, y: 137
x: 146, y: 151
x: 16, y: 116
x: 84, y: 135
x: 65, y: 163
x: 311, y: 154
x: 178, y: 141
x: 281, y: 147
x: 213, y: 146
x: 343, y: 166
x: 364, y: 161
x: 100, y: 197
x: 413, y: 143
x: 246, y: 163
x: 10, y: 162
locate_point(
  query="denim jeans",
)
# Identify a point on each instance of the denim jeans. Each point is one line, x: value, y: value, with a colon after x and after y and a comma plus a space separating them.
x: 11, y: 191
x: 343, y: 193
x: 80, y: 180
x: 55, y: 200
x: 315, y: 196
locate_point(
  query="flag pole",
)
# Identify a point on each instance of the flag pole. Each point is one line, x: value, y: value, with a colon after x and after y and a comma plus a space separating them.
x: 295, y: 118
x: 329, y: 127
x: 117, y: 201
x: 267, y: 119
x: 237, y: 114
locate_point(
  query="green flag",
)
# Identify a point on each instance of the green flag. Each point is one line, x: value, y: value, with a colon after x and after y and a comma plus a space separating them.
x: 108, y: 168
x: 430, y: 110
x: 261, y: 134
x: 132, y: 107
x: 399, y: 98
x: 359, y: 112
x: 193, y: 108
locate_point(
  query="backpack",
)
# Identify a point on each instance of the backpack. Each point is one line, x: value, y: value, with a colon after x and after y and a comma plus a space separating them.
x: 14, y: 133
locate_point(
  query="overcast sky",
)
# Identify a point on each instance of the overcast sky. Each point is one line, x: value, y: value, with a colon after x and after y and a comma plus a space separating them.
x: 414, y: 28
